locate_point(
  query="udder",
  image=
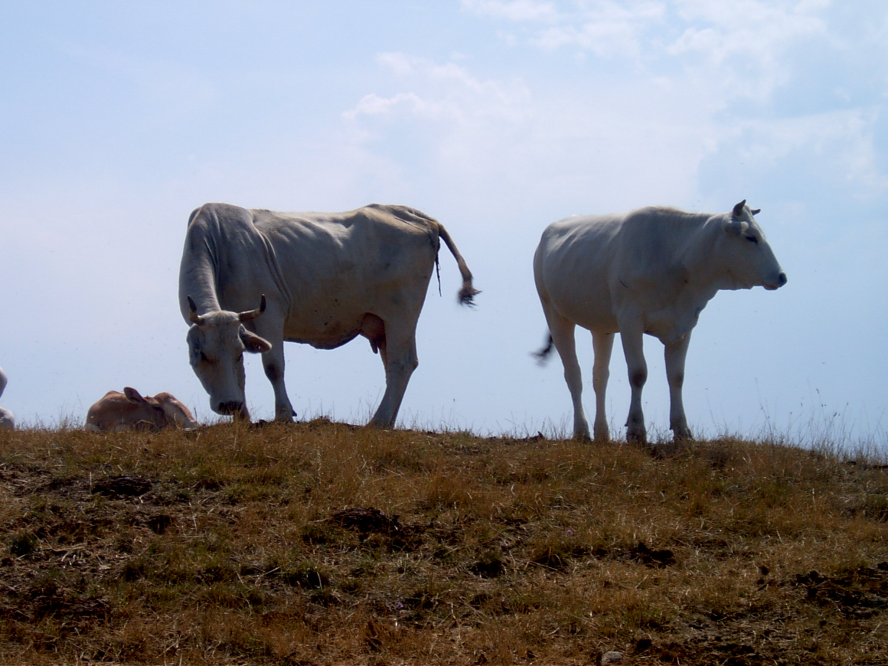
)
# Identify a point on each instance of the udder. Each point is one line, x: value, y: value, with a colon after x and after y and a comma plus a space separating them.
x: 373, y: 328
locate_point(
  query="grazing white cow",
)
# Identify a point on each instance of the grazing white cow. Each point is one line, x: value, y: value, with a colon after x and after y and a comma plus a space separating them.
x: 118, y: 411
x: 319, y: 278
x: 7, y: 418
x: 648, y: 271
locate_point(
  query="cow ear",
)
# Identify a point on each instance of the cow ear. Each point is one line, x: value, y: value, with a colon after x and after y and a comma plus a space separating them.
x: 253, y: 343
x: 132, y: 394
x: 738, y: 209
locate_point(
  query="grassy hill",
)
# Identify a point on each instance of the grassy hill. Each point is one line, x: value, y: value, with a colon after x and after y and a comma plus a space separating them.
x: 321, y: 543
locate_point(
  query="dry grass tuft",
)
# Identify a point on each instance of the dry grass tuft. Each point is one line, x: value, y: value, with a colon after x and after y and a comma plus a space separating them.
x: 322, y: 543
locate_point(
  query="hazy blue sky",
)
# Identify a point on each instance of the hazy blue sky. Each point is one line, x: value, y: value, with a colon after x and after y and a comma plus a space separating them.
x: 494, y: 116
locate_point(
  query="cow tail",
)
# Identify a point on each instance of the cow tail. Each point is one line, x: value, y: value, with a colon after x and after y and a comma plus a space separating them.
x: 467, y: 294
x: 543, y: 354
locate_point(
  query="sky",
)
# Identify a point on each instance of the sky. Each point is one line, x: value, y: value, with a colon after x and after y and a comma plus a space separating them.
x: 496, y: 117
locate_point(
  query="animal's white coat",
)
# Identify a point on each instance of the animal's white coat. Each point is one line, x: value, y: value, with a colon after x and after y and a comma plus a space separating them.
x: 117, y: 411
x: 650, y: 271
x: 7, y: 418
x: 321, y: 278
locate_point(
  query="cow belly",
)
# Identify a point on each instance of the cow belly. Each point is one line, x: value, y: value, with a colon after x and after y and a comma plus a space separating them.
x: 585, y: 303
x: 326, y: 340
x: 600, y: 320
x: 333, y: 335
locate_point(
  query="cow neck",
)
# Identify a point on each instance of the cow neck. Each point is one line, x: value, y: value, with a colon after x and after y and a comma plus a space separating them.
x: 198, y: 280
x: 216, y: 257
x: 699, y: 260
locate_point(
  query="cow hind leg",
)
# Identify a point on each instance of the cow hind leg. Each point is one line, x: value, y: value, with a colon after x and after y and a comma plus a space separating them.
x: 675, y: 354
x: 562, y: 332
x: 633, y: 349
x: 603, y: 344
x: 398, y: 350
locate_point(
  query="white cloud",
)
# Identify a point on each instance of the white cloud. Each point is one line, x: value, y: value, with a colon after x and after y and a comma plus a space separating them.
x: 601, y: 38
x: 642, y: 144
x: 513, y: 10
x: 399, y: 63
x: 753, y: 31
x: 604, y: 28
x: 448, y: 92
x: 744, y: 40
x: 374, y: 105
x: 841, y: 142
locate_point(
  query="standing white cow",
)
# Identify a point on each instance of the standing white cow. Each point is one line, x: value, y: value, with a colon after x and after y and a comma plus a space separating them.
x: 648, y: 271
x: 319, y: 278
x: 7, y: 418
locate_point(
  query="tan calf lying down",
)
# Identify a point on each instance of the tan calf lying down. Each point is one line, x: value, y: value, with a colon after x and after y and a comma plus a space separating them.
x: 129, y: 410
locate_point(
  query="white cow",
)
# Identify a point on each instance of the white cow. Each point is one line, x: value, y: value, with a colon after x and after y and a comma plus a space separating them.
x: 648, y: 271
x: 116, y: 412
x: 319, y: 278
x: 7, y: 418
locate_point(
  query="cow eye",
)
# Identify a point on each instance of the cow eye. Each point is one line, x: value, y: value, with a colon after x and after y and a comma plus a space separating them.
x: 753, y: 239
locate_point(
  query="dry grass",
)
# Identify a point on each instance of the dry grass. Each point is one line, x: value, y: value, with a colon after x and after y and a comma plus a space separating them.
x: 321, y: 543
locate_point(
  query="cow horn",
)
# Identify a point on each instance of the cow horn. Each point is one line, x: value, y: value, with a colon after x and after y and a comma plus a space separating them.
x: 756, y: 211
x: 738, y: 209
x: 247, y: 315
x: 194, y: 318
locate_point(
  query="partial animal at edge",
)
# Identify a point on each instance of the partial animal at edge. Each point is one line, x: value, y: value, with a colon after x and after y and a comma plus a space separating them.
x: 7, y: 418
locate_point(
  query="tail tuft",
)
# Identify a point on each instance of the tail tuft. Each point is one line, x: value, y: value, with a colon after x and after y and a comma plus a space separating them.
x: 467, y: 294
x: 543, y: 354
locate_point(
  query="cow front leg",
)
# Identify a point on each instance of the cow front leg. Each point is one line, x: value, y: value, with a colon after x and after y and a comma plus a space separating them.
x: 603, y: 344
x: 675, y: 354
x: 562, y: 332
x: 273, y: 364
x: 633, y: 349
x: 400, y: 359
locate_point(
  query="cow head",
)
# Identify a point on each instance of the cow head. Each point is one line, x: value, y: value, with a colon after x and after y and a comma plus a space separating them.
x: 158, y: 411
x: 175, y: 412
x: 216, y: 345
x: 750, y: 261
x: 143, y: 412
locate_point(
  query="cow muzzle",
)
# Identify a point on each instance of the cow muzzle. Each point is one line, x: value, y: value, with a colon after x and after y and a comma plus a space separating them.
x: 235, y: 408
x: 779, y: 282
